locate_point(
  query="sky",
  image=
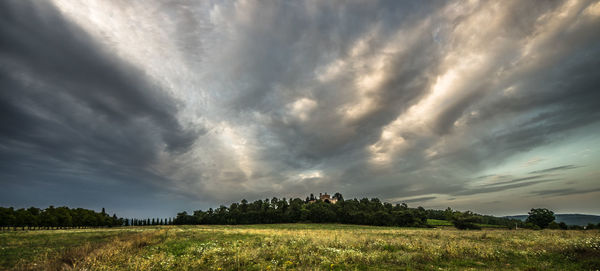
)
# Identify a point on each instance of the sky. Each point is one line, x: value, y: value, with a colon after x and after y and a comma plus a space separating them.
x: 152, y: 107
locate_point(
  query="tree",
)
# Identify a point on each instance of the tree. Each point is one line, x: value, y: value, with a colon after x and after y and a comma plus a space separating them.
x: 33, y: 217
x: 21, y: 218
x: 115, y: 220
x: 4, y: 217
x: 338, y: 196
x: 465, y: 221
x: 448, y: 213
x: 63, y: 217
x: 553, y: 225
x: 540, y: 217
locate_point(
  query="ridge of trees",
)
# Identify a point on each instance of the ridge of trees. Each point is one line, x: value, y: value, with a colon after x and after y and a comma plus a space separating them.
x: 65, y: 217
x: 468, y: 219
x: 56, y: 218
x: 363, y: 212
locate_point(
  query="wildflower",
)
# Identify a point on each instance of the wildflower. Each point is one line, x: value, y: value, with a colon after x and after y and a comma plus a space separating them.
x: 331, y: 266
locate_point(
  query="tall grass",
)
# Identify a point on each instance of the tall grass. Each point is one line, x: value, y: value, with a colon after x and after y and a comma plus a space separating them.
x: 333, y: 247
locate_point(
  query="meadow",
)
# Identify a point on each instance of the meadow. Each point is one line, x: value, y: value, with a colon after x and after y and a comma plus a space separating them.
x: 298, y: 247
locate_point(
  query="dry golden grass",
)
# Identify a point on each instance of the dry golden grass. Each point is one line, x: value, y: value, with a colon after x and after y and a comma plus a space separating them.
x: 335, y: 247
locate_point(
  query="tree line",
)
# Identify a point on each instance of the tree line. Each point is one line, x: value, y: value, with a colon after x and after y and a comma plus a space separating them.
x: 453, y: 215
x: 363, y: 212
x: 542, y: 218
x: 469, y: 220
x: 65, y: 217
x: 148, y: 222
x: 55, y: 218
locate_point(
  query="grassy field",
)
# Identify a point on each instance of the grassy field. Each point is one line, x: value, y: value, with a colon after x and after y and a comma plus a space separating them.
x: 446, y: 223
x: 298, y: 247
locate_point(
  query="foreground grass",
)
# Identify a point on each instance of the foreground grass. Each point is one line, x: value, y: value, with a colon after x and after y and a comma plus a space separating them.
x: 50, y: 249
x: 299, y: 247
x: 446, y: 223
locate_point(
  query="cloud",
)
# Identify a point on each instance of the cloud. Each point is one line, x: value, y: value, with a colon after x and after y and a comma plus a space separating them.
x: 498, y: 188
x: 421, y: 199
x: 560, y: 168
x: 563, y: 192
x: 239, y: 99
x: 517, y: 180
x: 72, y: 108
x: 533, y: 161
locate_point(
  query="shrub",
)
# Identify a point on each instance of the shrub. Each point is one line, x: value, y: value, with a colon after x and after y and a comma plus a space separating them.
x: 553, y: 225
x: 540, y: 217
x: 563, y: 226
x: 465, y: 221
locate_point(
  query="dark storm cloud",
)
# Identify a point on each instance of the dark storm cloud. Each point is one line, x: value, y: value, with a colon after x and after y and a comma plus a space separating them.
x: 69, y: 107
x: 421, y: 199
x: 517, y: 180
x: 276, y: 64
x: 563, y: 192
x: 560, y: 168
x: 568, y: 101
x: 495, y: 188
x: 381, y: 99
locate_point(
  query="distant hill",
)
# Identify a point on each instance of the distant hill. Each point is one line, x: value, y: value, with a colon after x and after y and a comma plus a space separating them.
x: 569, y: 219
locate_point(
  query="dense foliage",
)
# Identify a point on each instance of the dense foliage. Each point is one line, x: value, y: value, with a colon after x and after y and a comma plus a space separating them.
x: 465, y: 221
x: 61, y: 217
x: 540, y: 217
x: 453, y: 215
x: 363, y: 212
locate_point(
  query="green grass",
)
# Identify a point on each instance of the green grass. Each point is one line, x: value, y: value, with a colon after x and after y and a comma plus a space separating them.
x: 444, y: 223
x: 299, y: 247
x: 437, y: 222
x: 32, y: 249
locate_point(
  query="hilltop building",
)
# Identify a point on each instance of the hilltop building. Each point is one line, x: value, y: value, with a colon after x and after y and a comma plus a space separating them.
x: 325, y: 198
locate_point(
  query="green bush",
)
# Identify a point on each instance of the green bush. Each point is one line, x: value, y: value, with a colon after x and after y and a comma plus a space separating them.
x: 553, y: 225
x: 465, y: 221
